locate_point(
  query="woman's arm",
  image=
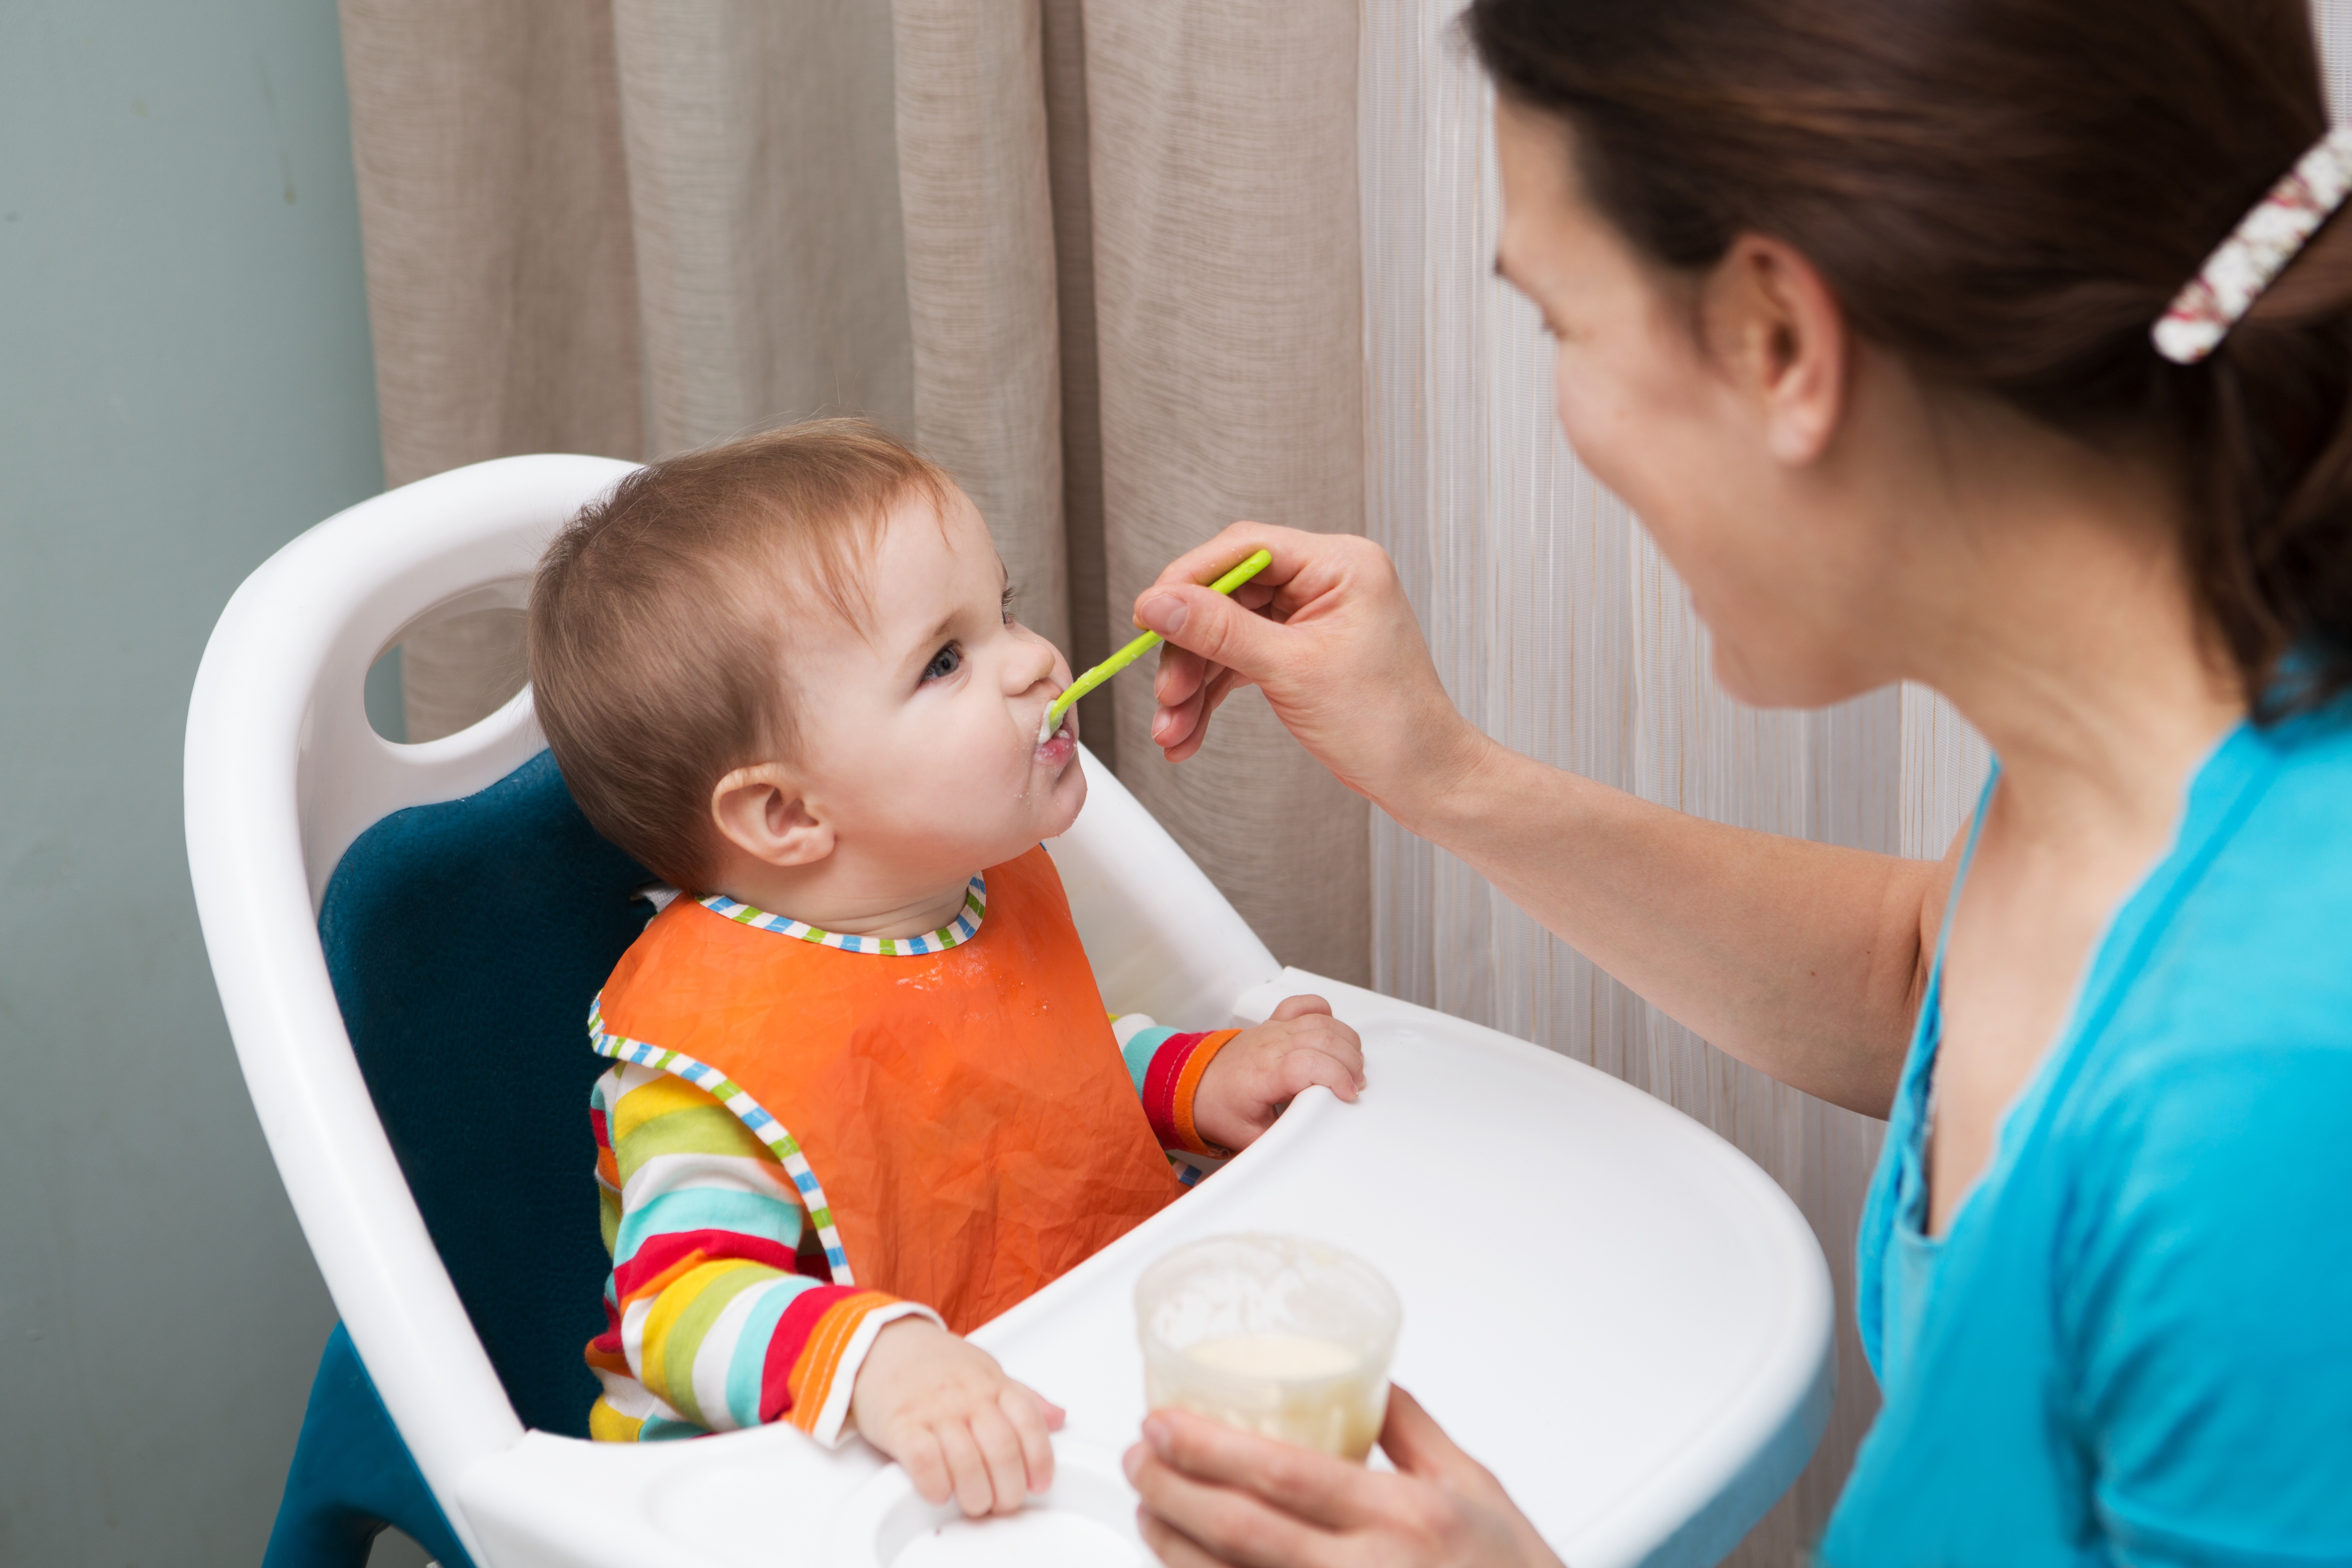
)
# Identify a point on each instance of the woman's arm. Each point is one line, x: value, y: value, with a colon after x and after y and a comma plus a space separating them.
x: 1802, y: 959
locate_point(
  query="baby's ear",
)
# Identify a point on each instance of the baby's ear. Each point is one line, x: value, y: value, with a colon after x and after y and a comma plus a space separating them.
x: 761, y: 812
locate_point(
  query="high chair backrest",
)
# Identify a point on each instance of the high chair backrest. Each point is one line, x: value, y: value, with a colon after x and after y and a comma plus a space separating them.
x: 461, y: 936
x: 465, y: 940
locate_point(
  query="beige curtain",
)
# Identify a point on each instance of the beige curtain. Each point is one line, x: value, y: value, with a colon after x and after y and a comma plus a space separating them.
x: 1561, y: 629
x: 501, y: 274
x: 1229, y: 321
x: 1096, y: 256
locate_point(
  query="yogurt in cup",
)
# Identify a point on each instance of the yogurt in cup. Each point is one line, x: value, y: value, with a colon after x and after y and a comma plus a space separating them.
x: 1279, y: 1335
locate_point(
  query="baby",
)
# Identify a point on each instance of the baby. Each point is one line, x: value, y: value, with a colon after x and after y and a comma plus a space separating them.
x: 865, y: 1093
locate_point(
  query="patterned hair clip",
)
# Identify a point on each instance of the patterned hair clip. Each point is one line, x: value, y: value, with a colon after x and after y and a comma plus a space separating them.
x: 2251, y: 259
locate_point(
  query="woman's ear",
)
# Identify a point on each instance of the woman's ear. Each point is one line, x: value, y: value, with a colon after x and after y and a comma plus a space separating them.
x: 761, y: 810
x: 1786, y: 338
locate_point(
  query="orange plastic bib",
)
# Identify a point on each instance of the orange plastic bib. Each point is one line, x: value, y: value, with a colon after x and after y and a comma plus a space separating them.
x: 966, y: 1110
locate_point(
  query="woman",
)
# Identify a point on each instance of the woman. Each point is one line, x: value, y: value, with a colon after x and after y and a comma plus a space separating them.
x: 1857, y: 304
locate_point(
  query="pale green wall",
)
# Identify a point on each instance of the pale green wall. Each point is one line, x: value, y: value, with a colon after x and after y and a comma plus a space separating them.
x: 184, y: 384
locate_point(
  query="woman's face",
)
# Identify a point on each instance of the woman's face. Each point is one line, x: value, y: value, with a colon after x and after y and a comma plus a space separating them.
x: 1684, y: 398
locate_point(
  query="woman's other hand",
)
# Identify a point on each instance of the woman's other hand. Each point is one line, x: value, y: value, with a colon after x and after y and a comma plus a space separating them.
x: 1326, y: 631
x: 1215, y: 1498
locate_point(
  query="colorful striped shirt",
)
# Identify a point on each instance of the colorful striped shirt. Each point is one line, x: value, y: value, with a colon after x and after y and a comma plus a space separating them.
x: 719, y: 1311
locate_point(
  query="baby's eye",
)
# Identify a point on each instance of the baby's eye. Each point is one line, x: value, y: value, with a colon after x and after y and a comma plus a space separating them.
x: 1008, y: 603
x: 944, y: 663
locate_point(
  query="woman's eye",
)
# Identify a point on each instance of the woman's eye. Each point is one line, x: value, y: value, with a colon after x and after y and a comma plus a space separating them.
x: 944, y: 663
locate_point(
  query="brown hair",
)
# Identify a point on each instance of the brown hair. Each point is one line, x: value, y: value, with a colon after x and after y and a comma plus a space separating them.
x: 658, y: 620
x: 2007, y: 193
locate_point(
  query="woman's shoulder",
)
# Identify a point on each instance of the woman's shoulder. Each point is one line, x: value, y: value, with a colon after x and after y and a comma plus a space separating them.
x: 2308, y: 799
x: 2258, y: 946
x: 2234, y: 1014
x: 2203, y: 1296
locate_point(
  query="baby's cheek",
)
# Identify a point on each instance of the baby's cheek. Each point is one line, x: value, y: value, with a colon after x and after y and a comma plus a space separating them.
x: 971, y: 750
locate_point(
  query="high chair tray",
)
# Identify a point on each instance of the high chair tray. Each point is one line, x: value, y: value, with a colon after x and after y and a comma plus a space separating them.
x: 1608, y: 1305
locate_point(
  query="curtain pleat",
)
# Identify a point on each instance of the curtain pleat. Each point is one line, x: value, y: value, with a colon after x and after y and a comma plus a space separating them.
x: 1093, y: 632
x: 1229, y: 332
x: 764, y: 185
x: 502, y: 281
x: 974, y: 177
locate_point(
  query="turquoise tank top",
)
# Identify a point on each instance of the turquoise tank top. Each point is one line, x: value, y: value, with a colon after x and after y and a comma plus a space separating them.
x: 2134, y: 1342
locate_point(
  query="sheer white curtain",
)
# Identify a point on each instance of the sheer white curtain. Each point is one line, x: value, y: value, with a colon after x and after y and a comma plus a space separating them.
x: 1561, y: 631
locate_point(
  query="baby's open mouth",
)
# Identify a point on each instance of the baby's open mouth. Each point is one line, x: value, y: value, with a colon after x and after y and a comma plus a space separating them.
x: 1054, y: 749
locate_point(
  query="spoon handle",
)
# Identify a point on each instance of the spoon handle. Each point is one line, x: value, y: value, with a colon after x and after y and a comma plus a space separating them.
x: 1139, y: 648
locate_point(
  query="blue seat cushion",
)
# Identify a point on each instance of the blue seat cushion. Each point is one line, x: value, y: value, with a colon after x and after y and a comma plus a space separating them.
x: 466, y: 941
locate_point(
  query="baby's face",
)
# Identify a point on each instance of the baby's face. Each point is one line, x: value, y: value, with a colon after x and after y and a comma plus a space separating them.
x: 919, y: 738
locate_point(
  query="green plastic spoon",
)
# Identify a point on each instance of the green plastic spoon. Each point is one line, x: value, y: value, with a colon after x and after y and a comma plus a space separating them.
x: 1137, y: 649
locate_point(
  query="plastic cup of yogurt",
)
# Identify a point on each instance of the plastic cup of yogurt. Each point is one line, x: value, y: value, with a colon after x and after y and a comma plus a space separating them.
x: 1279, y: 1335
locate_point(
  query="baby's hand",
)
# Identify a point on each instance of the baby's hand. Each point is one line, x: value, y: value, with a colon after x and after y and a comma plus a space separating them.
x: 1261, y: 1069
x: 943, y: 1408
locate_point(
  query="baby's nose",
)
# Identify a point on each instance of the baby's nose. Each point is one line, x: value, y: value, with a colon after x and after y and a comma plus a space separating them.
x: 1033, y: 666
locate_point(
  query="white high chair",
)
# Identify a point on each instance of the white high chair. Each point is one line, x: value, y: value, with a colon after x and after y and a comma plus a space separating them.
x: 1610, y: 1306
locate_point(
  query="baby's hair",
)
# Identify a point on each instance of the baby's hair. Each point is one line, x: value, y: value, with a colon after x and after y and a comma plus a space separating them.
x: 658, y: 620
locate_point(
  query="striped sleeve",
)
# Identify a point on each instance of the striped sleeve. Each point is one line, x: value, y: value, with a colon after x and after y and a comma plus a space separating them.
x: 1167, y: 1066
x: 716, y: 1319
